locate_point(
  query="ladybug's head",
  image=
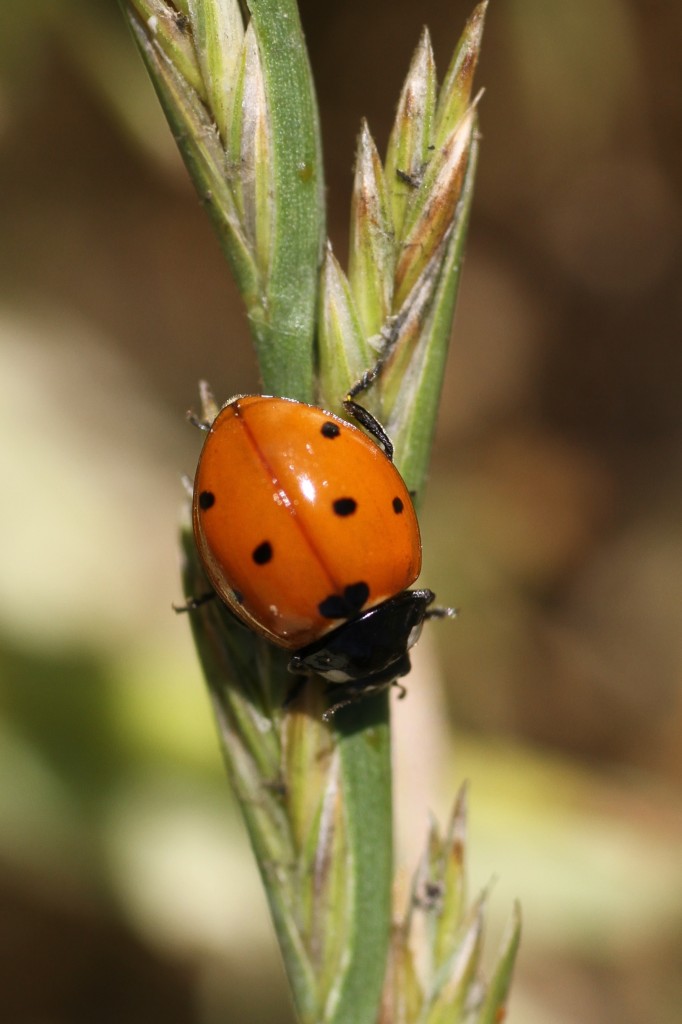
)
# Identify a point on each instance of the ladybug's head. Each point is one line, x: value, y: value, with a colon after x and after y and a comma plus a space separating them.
x: 372, y: 648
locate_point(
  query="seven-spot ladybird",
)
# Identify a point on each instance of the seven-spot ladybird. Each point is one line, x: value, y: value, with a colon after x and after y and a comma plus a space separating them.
x: 307, y: 532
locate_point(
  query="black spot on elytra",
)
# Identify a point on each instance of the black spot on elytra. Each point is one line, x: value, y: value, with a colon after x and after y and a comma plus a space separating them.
x: 333, y: 607
x: 206, y: 499
x: 263, y: 553
x: 238, y: 596
x: 398, y: 506
x: 343, y: 606
x: 356, y: 594
x: 345, y: 506
x: 330, y: 429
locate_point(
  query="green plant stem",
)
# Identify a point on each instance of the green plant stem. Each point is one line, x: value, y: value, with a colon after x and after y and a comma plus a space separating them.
x: 284, y: 324
x: 365, y: 745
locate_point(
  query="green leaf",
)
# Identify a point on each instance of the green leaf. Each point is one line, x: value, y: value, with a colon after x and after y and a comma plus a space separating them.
x: 270, y: 222
x: 419, y: 388
x: 168, y: 28
x: 412, y: 133
x: 343, y: 350
x: 493, y: 1010
x: 372, y: 243
x: 218, y: 33
x: 403, y: 996
x: 247, y: 682
x: 431, y: 214
x: 199, y: 143
x: 451, y: 869
x: 255, y: 155
x: 456, y: 979
x: 455, y: 93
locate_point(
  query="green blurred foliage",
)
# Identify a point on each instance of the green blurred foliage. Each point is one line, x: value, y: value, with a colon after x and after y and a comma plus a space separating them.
x: 552, y: 517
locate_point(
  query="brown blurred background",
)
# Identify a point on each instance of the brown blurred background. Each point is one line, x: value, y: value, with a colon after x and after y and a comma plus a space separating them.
x: 553, y: 517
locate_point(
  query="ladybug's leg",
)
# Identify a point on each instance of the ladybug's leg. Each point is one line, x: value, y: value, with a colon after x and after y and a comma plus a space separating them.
x: 441, y: 613
x: 197, y: 422
x: 192, y: 603
x: 352, y: 695
x: 331, y: 711
x: 209, y: 408
x: 436, y: 612
x: 355, y: 692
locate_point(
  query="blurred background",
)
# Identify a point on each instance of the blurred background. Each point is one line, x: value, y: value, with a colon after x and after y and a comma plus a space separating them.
x: 553, y: 518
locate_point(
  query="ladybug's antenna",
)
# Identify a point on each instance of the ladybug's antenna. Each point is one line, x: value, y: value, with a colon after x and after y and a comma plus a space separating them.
x: 389, y: 335
x: 363, y: 416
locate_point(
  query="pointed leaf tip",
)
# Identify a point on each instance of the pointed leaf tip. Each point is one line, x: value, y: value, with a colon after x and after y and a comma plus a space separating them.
x: 412, y: 132
x: 342, y: 347
x: 457, y: 827
x: 168, y: 30
x: 252, y: 138
x: 456, y: 89
x: 433, y: 213
x: 218, y: 31
x: 494, y: 1007
x: 372, y: 243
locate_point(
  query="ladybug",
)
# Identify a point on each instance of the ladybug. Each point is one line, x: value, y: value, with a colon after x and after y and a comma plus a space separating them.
x: 308, y: 534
